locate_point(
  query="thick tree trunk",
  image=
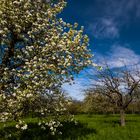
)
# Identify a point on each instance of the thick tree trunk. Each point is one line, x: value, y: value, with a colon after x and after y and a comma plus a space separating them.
x: 122, y: 117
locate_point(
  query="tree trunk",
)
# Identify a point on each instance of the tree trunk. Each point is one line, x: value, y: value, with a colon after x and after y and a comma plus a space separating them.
x: 122, y: 117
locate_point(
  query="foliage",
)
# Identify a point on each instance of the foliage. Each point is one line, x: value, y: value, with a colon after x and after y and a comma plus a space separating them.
x: 95, y: 103
x: 38, y: 53
x: 75, y: 107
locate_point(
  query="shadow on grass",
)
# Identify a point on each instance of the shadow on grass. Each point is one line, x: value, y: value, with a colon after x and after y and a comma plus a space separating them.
x: 115, y: 123
x: 112, y: 122
x: 69, y: 131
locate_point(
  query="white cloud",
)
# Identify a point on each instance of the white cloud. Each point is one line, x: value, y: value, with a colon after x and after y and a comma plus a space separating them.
x: 104, y: 28
x: 119, y: 56
x: 81, y: 83
x: 122, y: 55
x: 76, y: 90
x: 122, y: 10
x: 114, y: 15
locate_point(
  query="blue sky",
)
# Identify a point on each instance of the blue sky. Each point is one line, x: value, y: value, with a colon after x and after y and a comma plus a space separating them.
x: 113, y: 27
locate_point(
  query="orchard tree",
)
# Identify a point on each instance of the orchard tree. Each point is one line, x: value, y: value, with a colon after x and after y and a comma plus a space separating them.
x: 38, y: 53
x: 120, y: 86
x: 95, y: 102
x: 75, y: 107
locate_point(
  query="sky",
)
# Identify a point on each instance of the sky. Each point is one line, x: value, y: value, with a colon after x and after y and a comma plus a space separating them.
x: 113, y: 27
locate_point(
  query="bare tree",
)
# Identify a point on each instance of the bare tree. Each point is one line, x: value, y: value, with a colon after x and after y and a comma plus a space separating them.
x: 120, y: 86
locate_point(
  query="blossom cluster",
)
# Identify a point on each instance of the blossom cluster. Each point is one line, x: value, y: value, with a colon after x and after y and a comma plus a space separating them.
x: 40, y: 52
x: 21, y: 125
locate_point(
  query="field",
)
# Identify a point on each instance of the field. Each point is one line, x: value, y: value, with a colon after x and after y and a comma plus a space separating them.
x: 90, y: 127
x: 107, y: 127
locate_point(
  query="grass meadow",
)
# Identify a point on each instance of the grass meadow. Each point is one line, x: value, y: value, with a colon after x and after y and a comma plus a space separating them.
x: 106, y: 127
x: 89, y: 127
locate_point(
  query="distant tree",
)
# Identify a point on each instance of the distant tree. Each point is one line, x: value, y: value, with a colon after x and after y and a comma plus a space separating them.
x: 120, y: 86
x: 75, y: 107
x: 134, y: 107
x: 38, y: 53
x: 97, y: 103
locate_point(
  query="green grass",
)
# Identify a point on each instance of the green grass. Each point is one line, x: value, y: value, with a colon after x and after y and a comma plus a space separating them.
x: 90, y: 127
x: 107, y: 127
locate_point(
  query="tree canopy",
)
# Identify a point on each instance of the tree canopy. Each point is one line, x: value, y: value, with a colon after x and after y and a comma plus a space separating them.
x: 38, y: 53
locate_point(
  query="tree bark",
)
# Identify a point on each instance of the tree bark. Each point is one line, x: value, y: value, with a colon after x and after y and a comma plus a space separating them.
x: 122, y: 117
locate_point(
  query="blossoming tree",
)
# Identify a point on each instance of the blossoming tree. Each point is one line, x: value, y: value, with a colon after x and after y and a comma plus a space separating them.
x: 38, y: 53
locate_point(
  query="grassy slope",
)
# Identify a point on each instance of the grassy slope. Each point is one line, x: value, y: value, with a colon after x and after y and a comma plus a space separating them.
x: 92, y: 127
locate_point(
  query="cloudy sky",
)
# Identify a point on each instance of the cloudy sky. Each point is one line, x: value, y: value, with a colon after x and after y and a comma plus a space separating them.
x: 113, y: 27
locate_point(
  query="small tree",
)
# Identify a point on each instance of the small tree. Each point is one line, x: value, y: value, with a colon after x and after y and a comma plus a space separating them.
x: 38, y: 53
x: 120, y: 86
